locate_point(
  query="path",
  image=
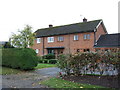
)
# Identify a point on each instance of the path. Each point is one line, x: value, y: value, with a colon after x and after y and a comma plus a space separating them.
x: 29, y: 79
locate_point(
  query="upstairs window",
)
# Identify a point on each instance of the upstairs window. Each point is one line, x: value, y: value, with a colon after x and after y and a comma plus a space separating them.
x: 60, y: 38
x: 38, y: 40
x: 86, y: 36
x: 75, y: 37
x: 50, y: 39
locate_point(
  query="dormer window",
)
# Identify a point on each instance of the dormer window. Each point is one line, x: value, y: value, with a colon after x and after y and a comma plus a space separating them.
x: 38, y: 40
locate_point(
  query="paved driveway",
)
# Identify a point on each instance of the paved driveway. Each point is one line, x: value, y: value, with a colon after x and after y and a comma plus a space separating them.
x: 29, y: 79
x: 48, y: 72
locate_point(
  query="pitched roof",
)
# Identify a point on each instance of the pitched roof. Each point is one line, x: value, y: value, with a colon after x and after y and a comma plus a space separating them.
x: 108, y: 40
x: 68, y: 29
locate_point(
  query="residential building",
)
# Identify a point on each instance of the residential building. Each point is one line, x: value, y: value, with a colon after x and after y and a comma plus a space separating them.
x: 72, y: 38
x: 108, y: 42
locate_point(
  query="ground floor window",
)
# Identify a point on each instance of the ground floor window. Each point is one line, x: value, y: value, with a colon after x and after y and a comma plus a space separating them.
x: 78, y: 50
x: 50, y: 51
x: 37, y: 50
x: 86, y: 50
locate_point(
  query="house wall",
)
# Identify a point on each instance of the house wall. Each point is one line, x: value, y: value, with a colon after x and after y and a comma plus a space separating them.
x: 71, y: 45
x: 114, y: 49
x: 100, y: 31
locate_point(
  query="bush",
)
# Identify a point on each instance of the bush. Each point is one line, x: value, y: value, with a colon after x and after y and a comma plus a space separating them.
x: 49, y: 56
x: 89, y: 61
x: 53, y: 61
x: 24, y: 59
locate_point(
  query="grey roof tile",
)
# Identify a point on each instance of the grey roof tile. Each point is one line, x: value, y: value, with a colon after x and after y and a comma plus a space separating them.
x: 68, y: 29
x: 109, y: 40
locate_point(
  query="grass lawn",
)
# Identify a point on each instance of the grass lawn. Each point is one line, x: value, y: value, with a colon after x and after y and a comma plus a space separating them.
x: 41, y: 65
x: 60, y: 83
x: 5, y: 71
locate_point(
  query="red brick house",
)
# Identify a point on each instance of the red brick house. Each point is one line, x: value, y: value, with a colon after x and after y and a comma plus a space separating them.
x: 72, y: 38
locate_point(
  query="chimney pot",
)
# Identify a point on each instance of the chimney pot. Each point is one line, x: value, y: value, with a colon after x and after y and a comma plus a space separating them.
x: 50, y: 25
x: 84, y: 20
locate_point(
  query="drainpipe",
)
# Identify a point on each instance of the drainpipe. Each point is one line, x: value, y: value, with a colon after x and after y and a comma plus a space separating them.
x: 94, y: 36
x: 69, y: 44
x: 43, y: 46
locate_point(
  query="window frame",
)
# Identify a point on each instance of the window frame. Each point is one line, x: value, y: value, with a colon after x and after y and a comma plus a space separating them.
x: 76, y: 37
x: 50, y: 39
x: 38, y: 40
x: 86, y: 36
x: 60, y: 38
x: 37, y: 51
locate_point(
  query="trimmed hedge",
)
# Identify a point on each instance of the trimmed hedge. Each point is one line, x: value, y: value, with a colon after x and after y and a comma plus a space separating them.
x: 19, y: 58
x: 49, y: 56
x: 49, y: 61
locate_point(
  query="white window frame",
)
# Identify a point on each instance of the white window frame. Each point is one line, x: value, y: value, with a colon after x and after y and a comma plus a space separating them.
x: 86, y: 36
x: 37, y: 51
x: 60, y: 38
x: 76, y: 37
x: 50, y: 39
x: 38, y: 40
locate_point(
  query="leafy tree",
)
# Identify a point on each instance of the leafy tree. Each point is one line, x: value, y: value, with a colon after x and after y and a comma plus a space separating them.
x: 24, y: 39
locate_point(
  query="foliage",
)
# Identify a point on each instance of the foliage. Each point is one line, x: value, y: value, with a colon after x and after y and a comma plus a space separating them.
x: 24, y: 39
x: 49, y: 56
x: 19, y: 58
x: 60, y: 83
x: 8, y: 45
x: 41, y: 65
x: 49, y: 61
x: 89, y: 61
x: 52, y: 61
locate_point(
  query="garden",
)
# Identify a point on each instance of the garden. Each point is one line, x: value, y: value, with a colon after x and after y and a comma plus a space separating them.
x: 81, y: 70
x: 92, y: 68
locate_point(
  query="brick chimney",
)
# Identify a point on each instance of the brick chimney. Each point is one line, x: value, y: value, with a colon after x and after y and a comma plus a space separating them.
x: 50, y: 25
x: 84, y: 20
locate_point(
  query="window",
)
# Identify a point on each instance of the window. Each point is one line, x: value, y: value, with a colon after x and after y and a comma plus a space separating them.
x: 75, y: 37
x: 38, y: 40
x: 50, y: 51
x: 78, y: 50
x: 37, y: 50
x: 60, y: 38
x: 50, y: 39
x: 86, y: 50
x: 86, y: 36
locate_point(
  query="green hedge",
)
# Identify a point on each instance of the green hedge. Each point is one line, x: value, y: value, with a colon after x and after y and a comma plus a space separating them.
x: 24, y: 59
x: 49, y: 61
x: 49, y: 56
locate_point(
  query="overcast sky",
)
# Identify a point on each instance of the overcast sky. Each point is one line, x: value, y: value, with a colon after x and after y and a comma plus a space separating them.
x: 15, y: 14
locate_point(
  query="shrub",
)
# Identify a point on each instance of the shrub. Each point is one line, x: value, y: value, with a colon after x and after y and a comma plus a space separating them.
x: 89, y: 61
x: 19, y: 58
x: 52, y: 61
x: 49, y: 56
